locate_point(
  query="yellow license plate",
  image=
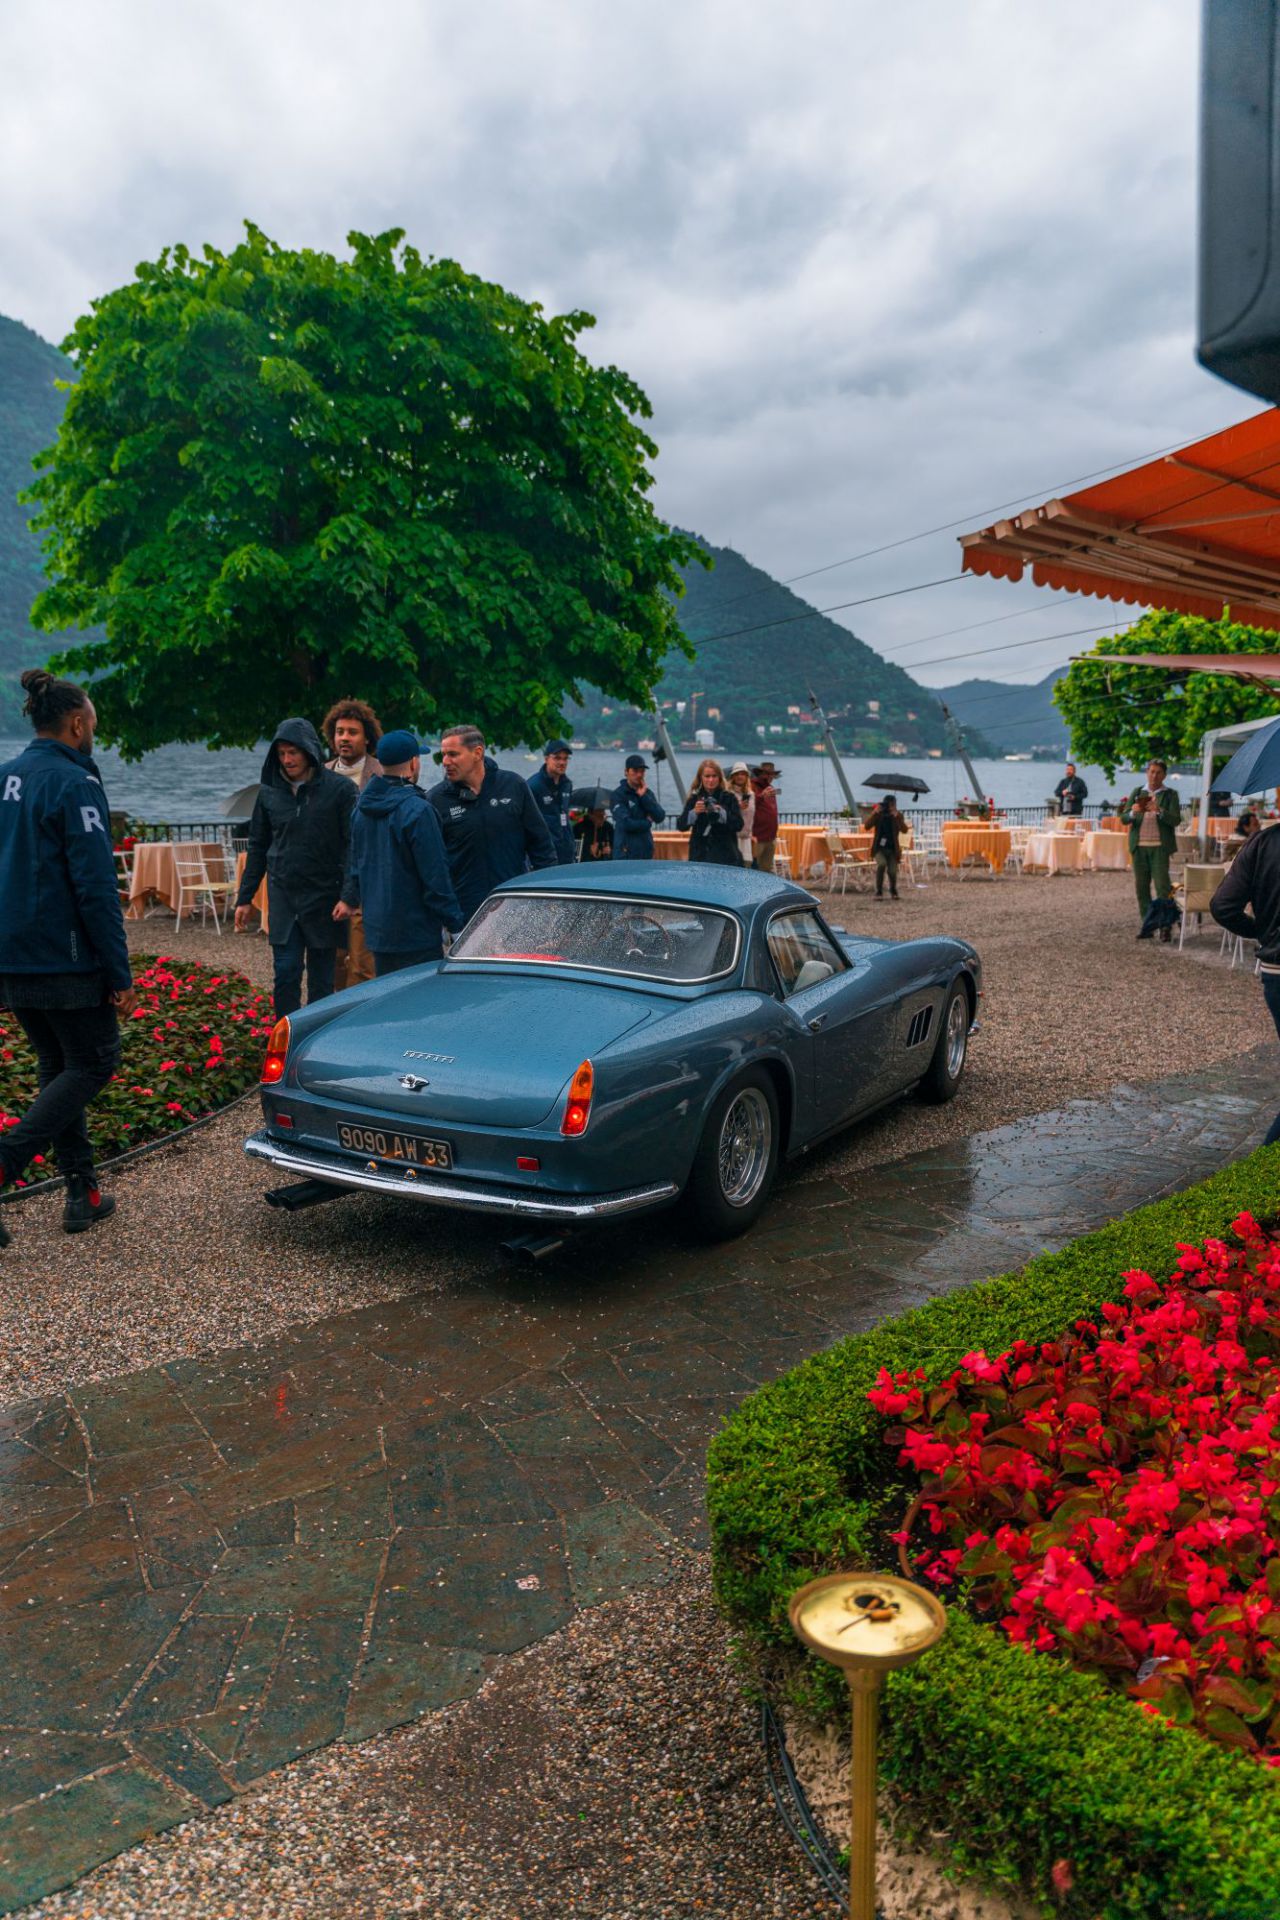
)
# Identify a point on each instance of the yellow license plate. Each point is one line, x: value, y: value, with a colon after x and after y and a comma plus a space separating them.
x: 406, y: 1149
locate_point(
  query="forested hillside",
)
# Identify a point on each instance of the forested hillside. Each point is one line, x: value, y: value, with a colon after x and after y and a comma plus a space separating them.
x: 30, y: 409
x: 1014, y: 719
x: 761, y: 651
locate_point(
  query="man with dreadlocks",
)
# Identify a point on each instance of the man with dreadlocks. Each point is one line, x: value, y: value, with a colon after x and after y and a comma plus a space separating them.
x: 64, y: 962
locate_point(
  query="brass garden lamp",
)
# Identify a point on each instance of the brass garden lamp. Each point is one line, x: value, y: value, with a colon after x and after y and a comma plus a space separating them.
x: 865, y: 1623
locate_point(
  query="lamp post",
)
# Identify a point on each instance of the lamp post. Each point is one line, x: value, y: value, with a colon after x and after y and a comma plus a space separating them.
x: 865, y: 1624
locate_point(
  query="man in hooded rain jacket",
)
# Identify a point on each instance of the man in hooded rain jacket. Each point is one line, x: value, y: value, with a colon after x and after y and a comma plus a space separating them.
x: 399, y: 871
x: 298, y: 837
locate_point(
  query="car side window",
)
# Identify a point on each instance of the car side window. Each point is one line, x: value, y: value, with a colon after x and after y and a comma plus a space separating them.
x: 802, y: 952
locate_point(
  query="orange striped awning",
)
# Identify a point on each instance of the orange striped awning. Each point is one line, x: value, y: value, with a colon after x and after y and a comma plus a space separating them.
x: 1197, y: 531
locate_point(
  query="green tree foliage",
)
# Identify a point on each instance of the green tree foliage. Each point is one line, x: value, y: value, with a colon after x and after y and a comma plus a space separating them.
x: 1121, y: 716
x: 31, y: 405
x: 283, y: 477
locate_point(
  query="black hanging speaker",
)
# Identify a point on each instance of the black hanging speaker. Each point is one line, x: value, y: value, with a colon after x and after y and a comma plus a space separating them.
x: 1240, y: 195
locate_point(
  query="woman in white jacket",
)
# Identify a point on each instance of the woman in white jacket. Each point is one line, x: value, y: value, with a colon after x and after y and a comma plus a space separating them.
x: 740, y: 785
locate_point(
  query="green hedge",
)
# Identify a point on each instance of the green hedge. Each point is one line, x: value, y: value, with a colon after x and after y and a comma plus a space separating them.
x: 1023, y: 1760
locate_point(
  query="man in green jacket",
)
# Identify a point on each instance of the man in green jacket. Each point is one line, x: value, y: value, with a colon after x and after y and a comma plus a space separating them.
x: 1151, y: 814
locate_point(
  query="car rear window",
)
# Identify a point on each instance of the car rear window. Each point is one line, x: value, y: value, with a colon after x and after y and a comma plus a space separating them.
x: 608, y: 934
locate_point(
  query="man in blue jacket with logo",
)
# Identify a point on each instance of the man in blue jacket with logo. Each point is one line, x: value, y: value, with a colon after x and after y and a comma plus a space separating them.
x: 64, y: 962
x: 635, y: 813
x: 492, y: 825
x: 399, y: 870
x: 552, y: 789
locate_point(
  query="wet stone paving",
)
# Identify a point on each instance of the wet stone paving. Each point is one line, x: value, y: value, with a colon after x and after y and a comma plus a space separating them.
x: 209, y: 1568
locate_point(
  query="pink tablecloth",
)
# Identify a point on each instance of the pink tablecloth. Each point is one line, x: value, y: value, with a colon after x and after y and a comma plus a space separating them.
x: 1106, y: 852
x: 154, y: 873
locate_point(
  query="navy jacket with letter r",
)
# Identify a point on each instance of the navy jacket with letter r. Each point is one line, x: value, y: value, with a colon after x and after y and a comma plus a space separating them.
x: 490, y: 836
x: 399, y: 869
x: 58, y: 879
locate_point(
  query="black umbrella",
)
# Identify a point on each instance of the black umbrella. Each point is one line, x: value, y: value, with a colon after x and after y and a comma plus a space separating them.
x: 589, y: 798
x: 897, y: 783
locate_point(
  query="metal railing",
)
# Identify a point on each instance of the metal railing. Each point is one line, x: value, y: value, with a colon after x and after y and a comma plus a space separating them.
x: 814, y: 817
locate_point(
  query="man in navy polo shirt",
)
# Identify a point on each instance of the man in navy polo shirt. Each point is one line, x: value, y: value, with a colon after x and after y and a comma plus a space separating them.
x: 492, y: 825
x: 551, y: 789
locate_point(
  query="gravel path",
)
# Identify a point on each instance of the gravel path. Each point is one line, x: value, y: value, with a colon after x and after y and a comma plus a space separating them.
x: 194, y: 1262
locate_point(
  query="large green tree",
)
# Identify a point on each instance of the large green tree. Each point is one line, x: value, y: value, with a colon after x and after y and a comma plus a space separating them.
x: 282, y: 477
x: 1121, y: 716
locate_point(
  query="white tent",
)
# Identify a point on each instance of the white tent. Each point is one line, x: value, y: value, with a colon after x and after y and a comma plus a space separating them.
x: 1221, y: 739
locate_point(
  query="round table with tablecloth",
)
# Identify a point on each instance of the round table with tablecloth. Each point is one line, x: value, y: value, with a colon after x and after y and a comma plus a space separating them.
x: 1106, y: 852
x: 670, y: 845
x: 962, y: 838
x: 153, y: 873
x: 1055, y: 852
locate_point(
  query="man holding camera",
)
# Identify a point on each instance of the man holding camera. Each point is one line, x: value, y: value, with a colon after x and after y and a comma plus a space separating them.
x: 1151, y: 814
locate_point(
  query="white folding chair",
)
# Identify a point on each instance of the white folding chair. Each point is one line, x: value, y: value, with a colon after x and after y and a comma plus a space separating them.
x: 843, y: 863
x: 194, y: 879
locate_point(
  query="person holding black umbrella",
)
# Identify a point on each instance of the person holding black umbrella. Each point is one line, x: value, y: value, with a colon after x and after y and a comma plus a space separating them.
x: 887, y: 826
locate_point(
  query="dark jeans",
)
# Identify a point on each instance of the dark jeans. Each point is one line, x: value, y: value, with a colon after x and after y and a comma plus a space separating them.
x: 1271, y: 994
x: 397, y: 962
x: 77, y: 1050
x: 288, y: 958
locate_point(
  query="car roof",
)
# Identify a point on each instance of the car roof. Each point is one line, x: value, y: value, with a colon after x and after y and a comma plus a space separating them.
x: 739, y: 889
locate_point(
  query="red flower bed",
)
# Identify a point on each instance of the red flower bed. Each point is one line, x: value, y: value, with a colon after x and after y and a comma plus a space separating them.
x: 1114, y: 1496
x: 195, y: 1041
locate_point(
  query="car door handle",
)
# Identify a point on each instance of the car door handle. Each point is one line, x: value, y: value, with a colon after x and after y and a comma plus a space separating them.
x: 818, y: 1020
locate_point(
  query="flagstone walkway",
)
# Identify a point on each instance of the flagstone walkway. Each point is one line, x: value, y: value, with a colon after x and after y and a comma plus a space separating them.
x: 211, y: 1567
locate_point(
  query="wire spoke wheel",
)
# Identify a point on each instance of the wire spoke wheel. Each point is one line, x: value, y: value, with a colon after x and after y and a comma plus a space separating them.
x: 957, y: 1034
x: 745, y: 1147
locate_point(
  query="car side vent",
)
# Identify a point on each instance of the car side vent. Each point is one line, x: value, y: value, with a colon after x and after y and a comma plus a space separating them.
x: 921, y: 1023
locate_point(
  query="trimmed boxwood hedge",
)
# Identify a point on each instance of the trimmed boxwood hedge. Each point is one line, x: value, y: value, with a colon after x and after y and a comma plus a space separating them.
x: 1027, y: 1763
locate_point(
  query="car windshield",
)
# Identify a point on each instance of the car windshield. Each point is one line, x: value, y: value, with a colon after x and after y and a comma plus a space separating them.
x: 671, y: 942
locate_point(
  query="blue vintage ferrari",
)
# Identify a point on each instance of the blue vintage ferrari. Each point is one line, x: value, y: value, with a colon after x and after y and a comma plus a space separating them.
x: 602, y: 1041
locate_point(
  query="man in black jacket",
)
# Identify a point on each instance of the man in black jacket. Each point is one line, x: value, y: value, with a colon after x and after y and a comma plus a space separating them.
x: 298, y: 837
x: 64, y: 963
x: 492, y: 825
x: 1072, y: 792
x: 1253, y: 881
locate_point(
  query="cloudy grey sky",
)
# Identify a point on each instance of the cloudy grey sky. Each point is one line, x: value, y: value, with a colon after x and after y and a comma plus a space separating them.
x: 877, y: 267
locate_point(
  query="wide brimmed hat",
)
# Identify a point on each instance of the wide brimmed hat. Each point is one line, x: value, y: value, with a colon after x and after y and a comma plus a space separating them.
x: 739, y: 766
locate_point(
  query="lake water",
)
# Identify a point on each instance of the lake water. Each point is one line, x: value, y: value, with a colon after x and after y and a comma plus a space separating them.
x: 191, y: 783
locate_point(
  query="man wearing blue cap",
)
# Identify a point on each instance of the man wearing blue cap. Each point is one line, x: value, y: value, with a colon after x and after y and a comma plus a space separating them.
x: 636, y: 812
x: 399, y: 871
x: 551, y: 789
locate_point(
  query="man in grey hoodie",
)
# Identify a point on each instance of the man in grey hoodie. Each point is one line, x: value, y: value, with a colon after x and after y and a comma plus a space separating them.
x: 298, y: 837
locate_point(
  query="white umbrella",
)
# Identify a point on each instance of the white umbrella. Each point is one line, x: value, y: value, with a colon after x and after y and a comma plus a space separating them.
x: 242, y: 802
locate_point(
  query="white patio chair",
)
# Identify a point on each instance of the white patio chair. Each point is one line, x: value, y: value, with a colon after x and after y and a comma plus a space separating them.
x: 1199, y: 885
x: 201, y: 877
x: 841, y: 863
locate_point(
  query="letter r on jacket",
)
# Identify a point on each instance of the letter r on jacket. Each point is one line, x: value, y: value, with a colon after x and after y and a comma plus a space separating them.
x: 12, y: 787
x: 91, y: 818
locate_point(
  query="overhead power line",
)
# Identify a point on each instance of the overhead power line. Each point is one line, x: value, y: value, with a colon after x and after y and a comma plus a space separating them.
x: 813, y: 613
x: 977, y: 514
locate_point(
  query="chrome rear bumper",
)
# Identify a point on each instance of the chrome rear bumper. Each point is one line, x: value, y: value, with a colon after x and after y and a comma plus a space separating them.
x: 510, y: 1202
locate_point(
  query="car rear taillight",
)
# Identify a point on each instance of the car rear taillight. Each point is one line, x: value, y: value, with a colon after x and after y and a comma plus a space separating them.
x: 277, y: 1052
x: 577, y: 1108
